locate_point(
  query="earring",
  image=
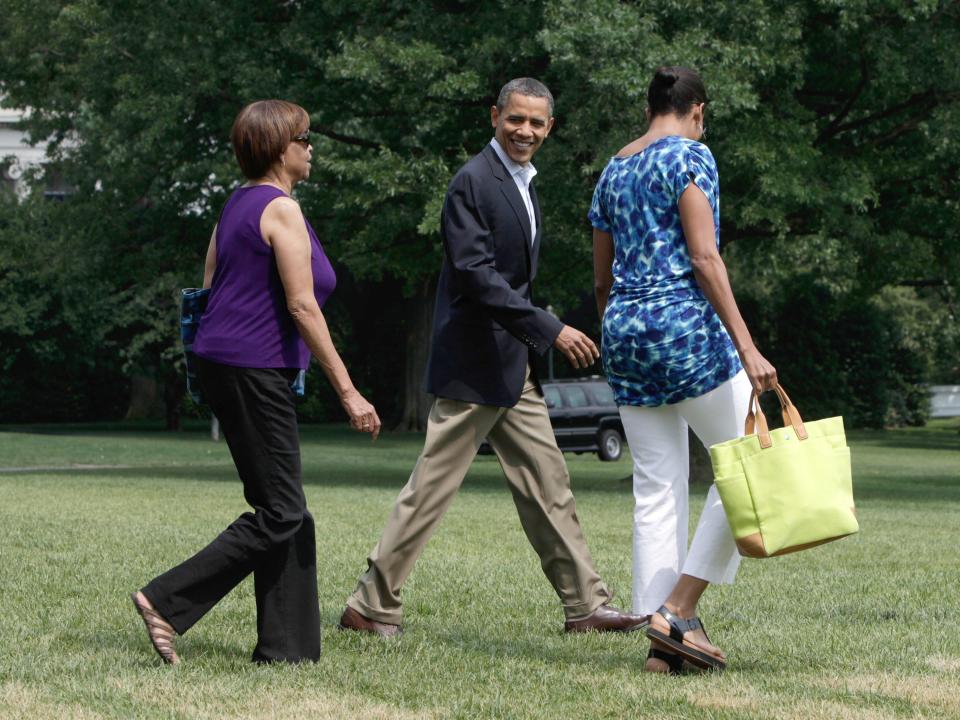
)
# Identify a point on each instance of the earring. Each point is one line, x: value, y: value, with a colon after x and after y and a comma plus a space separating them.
x: 283, y: 161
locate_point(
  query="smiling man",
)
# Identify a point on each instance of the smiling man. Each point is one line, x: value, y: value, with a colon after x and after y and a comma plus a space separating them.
x: 484, y: 330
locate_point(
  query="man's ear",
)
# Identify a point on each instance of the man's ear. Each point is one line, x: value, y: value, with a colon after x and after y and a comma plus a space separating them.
x: 494, y: 115
x: 549, y: 126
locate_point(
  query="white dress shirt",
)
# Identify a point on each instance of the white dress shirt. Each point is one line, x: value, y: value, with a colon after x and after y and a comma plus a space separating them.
x: 522, y: 175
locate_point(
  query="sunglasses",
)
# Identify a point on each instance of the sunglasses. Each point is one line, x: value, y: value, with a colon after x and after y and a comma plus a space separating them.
x: 303, y: 138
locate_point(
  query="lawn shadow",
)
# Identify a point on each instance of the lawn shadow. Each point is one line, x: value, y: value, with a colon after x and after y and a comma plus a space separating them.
x: 939, y: 438
x: 482, y: 480
x: 939, y: 488
x: 372, y: 478
x: 918, y: 489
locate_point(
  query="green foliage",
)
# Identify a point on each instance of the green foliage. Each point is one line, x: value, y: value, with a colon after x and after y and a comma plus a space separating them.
x: 834, y: 122
x: 837, y: 354
x: 835, y: 129
x: 405, y: 101
x: 58, y: 361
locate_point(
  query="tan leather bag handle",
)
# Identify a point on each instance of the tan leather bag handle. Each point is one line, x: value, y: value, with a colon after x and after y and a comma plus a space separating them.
x: 756, y: 418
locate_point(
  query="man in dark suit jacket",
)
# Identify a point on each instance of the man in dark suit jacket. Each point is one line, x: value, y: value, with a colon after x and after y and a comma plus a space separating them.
x: 485, y: 327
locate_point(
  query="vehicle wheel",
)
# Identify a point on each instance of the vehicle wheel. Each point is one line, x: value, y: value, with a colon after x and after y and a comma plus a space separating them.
x: 611, y: 445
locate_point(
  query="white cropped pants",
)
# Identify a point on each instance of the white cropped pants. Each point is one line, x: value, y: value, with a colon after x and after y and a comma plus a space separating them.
x: 661, y: 469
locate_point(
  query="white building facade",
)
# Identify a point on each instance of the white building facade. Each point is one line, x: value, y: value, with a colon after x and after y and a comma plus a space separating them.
x: 16, y: 156
x: 944, y: 401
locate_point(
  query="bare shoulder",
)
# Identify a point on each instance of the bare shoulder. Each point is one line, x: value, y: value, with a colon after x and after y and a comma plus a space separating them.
x: 283, y: 209
x: 632, y: 148
x: 282, y: 219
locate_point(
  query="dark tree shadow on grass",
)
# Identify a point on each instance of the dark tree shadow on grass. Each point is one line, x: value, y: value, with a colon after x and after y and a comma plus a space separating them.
x: 918, y: 488
x: 938, y: 435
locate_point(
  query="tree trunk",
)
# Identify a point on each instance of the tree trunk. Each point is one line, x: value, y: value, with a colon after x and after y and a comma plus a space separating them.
x: 416, y: 402
x: 174, y: 388
x: 143, y: 398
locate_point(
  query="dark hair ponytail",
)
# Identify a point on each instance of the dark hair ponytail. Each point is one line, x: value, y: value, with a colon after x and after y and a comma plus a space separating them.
x: 674, y: 90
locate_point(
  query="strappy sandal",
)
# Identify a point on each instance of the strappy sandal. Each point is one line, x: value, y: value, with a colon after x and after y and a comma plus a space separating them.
x: 160, y: 632
x: 674, y: 662
x: 674, y: 641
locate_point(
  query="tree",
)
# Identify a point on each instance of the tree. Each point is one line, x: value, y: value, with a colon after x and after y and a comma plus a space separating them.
x: 132, y: 102
x: 58, y: 361
x: 838, y: 157
x: 407, y: 89
x: 137, y: 100
x: 833, y: 122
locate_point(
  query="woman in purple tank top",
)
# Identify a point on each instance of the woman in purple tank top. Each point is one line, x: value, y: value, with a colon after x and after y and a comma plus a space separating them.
x: 268, y: 278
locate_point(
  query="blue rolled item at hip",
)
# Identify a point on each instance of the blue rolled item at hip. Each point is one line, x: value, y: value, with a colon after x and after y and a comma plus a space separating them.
x: 193, y: 303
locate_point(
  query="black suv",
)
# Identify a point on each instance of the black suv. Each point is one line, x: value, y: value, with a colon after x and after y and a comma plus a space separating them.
x: 584, y: 417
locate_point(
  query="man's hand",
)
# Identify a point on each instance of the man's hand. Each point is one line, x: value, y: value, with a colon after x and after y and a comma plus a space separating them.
x: 579, y: 349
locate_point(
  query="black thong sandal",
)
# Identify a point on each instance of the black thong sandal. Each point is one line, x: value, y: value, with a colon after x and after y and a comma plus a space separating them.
x: 674, y: 662
x: 674, y: 641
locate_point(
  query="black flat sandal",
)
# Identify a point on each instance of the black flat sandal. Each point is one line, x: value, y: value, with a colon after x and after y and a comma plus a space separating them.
x: 674, y: 662
x: 674, y: 641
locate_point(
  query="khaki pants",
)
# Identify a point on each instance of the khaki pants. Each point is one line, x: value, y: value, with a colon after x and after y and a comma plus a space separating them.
x: 523, y: 440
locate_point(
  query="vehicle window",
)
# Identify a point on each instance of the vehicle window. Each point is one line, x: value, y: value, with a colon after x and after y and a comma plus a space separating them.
x: 576, y: 396
x: 552, y: 396
x: 602, y: 394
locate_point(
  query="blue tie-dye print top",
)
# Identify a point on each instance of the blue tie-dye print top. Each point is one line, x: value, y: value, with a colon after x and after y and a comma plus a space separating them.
x: 662, y: 340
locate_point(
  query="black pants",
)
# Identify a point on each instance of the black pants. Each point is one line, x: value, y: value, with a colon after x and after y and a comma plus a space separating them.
x: 275, y: 542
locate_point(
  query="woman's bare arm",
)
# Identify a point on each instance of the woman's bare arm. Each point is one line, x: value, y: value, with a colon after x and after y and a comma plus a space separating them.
x: 696, y: 216
x: 283, y: 227
x: 602, y: 269
x: 210, y: 263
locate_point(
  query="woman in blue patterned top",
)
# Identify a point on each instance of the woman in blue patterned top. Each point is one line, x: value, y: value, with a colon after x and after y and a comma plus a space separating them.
x: 676, y: 352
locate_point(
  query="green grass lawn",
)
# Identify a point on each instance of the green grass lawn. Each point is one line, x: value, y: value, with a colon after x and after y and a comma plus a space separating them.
x: 865, y: 628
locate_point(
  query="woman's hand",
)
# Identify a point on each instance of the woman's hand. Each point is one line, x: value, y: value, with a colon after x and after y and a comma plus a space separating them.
x: 763, y: 375
x: 363, y: 416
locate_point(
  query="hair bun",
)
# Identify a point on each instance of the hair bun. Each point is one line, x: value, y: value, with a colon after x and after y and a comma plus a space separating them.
x: 674, y: 89
x: 666, y: 77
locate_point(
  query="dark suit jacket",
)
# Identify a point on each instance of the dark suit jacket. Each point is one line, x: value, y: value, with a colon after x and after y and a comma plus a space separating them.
x: 485, y: 323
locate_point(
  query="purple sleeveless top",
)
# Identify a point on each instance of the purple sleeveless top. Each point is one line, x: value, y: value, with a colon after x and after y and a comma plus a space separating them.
x: 247, y: 323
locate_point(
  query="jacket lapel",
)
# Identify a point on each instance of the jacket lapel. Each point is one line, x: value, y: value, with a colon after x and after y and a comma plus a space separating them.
x: 535, y: 249
x: 510, y: 191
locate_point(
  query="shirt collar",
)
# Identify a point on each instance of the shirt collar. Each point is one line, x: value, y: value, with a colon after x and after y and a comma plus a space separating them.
x: 526, y: 172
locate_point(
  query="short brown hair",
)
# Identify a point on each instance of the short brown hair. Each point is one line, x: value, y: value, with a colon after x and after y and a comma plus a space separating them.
x: 262, y: 131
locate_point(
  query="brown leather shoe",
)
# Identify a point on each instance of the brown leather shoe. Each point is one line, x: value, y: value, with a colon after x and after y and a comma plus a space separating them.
x: 607, y: 619
x: 352, y: 620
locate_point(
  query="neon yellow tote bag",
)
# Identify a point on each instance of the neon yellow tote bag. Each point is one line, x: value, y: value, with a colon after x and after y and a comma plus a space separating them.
x: 786, y: 489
